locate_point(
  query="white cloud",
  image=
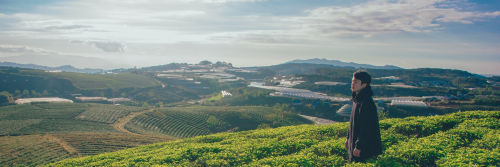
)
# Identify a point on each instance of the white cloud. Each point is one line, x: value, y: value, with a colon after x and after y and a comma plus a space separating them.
x: 23, y: 49
x: 106, y: 46
x: 382, y: 16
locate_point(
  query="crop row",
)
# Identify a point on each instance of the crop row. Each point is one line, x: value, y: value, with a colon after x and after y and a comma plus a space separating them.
x: 171, y: 125
x: 106, y: 113
x: 459, y: 139
x: 13, y: 126
x: 30, y: 150
x: 41, y: 111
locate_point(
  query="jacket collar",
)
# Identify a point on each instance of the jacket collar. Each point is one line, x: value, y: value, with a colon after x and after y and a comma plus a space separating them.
x: 364, y: 93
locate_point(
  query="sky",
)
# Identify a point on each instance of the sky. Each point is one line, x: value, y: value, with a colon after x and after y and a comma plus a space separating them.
x: 453, y: 34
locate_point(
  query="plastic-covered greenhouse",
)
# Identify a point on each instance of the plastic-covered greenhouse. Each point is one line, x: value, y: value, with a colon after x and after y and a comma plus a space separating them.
x: 43, y: 99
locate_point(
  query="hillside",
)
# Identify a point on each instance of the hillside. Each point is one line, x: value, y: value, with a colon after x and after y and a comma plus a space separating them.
x: 341, y: 64
x: 98, y: 81
x: 33, y: 150
x: 47, y: 132
x: 459, y: 139
x: 196, y: 121
x: 50, y: 118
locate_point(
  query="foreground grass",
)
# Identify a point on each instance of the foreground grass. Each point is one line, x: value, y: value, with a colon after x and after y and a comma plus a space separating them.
x: 459, y: 139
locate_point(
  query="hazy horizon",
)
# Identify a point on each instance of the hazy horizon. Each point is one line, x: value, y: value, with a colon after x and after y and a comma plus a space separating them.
x: 452, y: 34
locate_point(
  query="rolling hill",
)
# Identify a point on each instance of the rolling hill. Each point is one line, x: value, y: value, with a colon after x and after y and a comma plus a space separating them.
x: 196, y: 121
x: 461, y: 139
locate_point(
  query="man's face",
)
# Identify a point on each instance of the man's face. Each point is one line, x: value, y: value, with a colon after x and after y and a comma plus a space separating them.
x: 356, y: 85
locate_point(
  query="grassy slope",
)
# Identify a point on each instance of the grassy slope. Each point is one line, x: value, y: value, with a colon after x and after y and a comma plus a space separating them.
x: 464, y: 138
x: 98, y: 81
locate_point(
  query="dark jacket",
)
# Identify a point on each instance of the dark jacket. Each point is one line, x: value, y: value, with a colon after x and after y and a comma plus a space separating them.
x: 364, y: 131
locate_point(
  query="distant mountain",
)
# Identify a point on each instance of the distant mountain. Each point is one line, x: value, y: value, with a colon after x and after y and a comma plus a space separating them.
x: 66, y: 68
x: 57, y: 60
x: 342, y: 64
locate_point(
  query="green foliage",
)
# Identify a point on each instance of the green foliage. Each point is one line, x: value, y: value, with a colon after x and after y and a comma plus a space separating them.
x: 453, y: 143
x: 487, y: 101
x: 24, y: 81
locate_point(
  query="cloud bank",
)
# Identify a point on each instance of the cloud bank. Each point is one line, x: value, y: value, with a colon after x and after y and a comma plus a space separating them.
x: 106, y: 46
x: 379, y: 17
x: 23, y: 49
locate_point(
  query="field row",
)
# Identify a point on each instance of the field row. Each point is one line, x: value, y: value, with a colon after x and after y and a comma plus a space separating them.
x: 460, y: 139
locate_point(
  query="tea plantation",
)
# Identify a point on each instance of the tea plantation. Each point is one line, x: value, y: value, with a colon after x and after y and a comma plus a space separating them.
x: 461, y: 139
x: 196, y: 121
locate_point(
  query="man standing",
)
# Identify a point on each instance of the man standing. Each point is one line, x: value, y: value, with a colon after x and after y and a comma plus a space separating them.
x: 363, y: 138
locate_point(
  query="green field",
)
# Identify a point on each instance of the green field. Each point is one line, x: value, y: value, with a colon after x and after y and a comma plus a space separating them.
x: 196, y: 121
x: 99, y: 81
x: 105, y: 113
x: 86, y: 144
x: 60, y: 118
x: 31, y: 150
x: 460, y: 139
x: 84, y: 127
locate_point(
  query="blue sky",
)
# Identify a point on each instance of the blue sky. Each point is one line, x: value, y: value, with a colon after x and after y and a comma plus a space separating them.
x: 456, y: 34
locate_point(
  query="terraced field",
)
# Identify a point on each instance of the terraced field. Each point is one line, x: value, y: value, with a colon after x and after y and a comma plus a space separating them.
x: 97, y: 143
x: 31, y: 150
x: 105, y: 113
x: 190, y: 122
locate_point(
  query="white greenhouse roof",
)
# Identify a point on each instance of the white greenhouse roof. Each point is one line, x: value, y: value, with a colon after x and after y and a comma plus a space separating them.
x: 43, y: 99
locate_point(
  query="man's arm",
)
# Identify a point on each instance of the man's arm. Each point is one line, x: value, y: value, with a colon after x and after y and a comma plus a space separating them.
x: 368, y: 119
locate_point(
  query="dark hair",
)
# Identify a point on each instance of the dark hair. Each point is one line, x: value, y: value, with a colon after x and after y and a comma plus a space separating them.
x: 363, y: 76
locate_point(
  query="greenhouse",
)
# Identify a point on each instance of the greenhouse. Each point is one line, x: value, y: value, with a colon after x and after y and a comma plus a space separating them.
x: 43, y: 99
x: 408, y: 103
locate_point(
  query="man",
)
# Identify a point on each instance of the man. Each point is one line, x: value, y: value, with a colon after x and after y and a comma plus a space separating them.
x: 363, y: 138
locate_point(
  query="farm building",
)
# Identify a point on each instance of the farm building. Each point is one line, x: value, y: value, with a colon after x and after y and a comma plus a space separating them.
x: 43, y: 99
x: 91, y: 98
x: 117, y: 100
x: 408, y: 103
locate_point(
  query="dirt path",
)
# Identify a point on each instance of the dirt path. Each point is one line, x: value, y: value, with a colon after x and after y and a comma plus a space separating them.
x: 64, y: 145
x: 319, y: 121
x: 120, y: 123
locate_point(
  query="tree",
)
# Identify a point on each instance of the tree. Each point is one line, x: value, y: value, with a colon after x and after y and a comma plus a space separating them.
x: 45, y: 93
x: 123, y: 94
x: 145, y: 105
x: 26, y: 92
x: 205, y: 62
x: 102, y: 94
x: 33, y: 92
x: 17, y: 92
x: 157, y: 105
